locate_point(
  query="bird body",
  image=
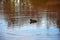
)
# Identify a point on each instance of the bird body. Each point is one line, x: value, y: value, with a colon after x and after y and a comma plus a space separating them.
x: 32, y: 21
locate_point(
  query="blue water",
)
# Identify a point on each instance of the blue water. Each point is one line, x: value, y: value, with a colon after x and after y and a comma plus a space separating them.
x: 27, y: 31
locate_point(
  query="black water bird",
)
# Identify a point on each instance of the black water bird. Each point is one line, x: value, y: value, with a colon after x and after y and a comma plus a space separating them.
x: 32, y: 21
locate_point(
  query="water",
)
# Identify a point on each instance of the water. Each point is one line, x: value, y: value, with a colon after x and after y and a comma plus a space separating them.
x: 27, y: 31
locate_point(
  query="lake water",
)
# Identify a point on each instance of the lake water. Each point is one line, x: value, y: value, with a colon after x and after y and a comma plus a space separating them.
x: 26, y: 31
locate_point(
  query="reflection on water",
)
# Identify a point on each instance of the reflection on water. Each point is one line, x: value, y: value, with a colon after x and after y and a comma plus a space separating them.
x: 26, y: 31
